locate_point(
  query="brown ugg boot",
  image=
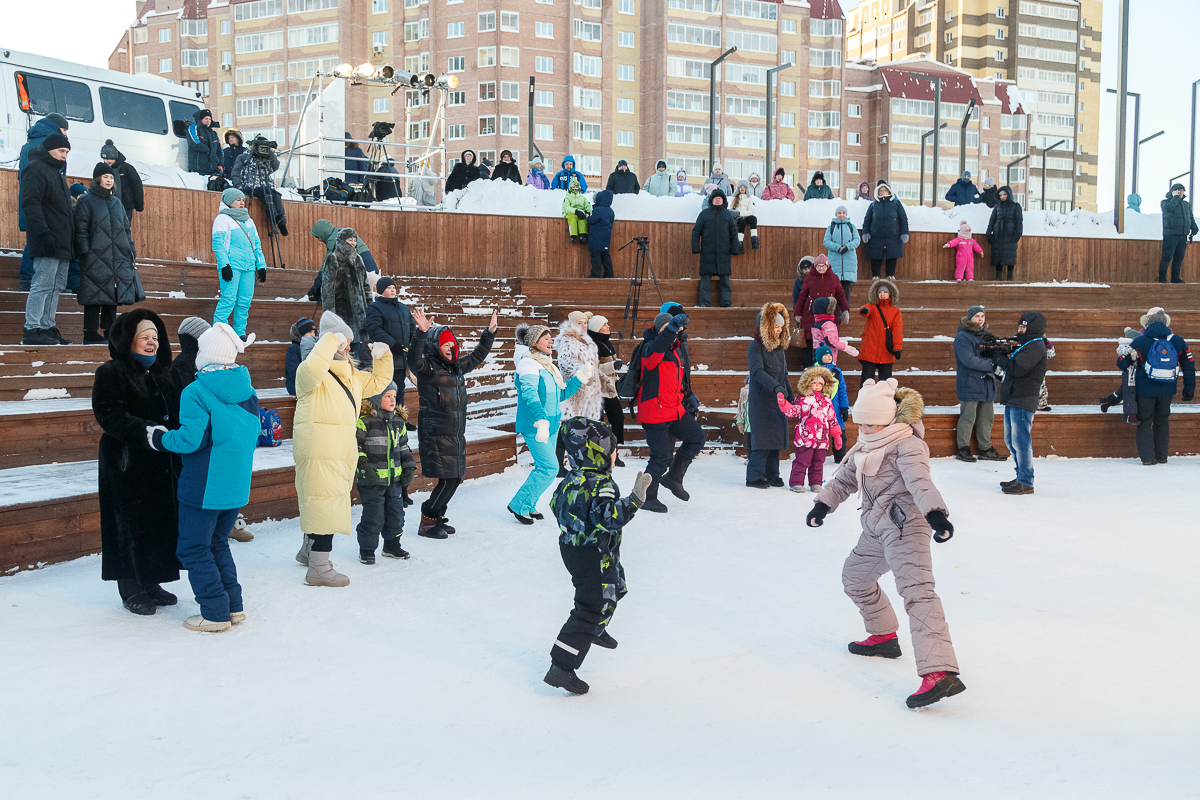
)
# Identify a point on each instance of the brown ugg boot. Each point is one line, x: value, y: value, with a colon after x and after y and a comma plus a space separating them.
x: 240, y: 532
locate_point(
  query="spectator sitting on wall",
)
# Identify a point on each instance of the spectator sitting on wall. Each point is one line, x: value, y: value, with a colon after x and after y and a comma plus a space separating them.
x: 778, y: 189
x: 623, y: 180
x: 562, y: 179
x: 507, y: 170
x: 817, y: 188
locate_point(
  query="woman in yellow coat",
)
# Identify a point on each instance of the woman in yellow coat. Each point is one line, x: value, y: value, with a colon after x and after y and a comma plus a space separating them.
x: 329, y: 392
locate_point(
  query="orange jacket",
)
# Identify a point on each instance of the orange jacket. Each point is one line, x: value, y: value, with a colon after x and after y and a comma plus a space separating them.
x: 874, y: 338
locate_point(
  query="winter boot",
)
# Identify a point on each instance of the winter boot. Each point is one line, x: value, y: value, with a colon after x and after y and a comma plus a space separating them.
x: 140, y: 604
x: 964, y: 454
x: 237, y: 617
x: 94, y: 337
x: 673, y: 480
x: 431, y: 528
x: 56, y: 336
x: 539, y: 517
x: 366, y: 556
x: 606, y: 641
x: 408, y: 501
x: 999, y: 273
x: 199, y: 623
x: 240, y: 532
x: 1006, y: 484
x: 1017, y: 488
x: 37, y: 336
x: 565, y: 679
x: 574, y: 239
x: 583, y: 238
x: 798, y: 488
x: 618, y: 462
x: 160, y: 596
x: 741, y: 241
x: 816, y: 488
x: 775, y: 482
x: 305, y: 550
x: 445, y: 524
x: 885, y: 646
x: 1010, y: 273
x: 652, y: 502
x: 934, y: 687
x: 322, y: 573
x: 761, y: 483
x: 521, y: 518
x: 392, y: 549
x: 754, y: 238
x: 991, y: 455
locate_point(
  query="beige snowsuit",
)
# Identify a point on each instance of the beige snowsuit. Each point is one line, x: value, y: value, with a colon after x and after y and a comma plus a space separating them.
x: 896, y: 537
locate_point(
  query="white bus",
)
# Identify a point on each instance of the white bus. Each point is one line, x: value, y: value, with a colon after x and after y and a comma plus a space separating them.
x: 145, y: 116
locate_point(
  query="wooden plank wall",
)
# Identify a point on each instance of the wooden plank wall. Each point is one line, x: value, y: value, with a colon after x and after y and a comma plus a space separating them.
x: 178, y: 222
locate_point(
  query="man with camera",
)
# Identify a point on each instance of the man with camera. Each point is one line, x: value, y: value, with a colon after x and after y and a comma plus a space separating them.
x: 252, y: 174
x: 1023, y: 360
x: 975, y: 385
x: 1179, y: 226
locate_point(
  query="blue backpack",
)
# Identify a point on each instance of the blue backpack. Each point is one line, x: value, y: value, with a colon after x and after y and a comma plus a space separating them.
x: 1162, y: 361
x: 270, y: 428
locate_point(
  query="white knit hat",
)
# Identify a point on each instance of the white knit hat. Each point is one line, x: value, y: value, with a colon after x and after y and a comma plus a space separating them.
x: 220, y: 345
x: 332, y: 323
x: 876, y: 403
x: 597, y: 322
x: 576, y: 316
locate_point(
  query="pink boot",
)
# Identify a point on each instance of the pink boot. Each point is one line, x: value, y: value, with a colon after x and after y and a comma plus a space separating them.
x: 886, y: 645
x: 934, y: 687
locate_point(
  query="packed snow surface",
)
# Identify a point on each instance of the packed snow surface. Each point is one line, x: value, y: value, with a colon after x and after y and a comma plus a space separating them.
x: 1069, y: 610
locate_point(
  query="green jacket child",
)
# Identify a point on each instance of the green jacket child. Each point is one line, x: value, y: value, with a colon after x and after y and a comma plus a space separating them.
x: 576, y: 209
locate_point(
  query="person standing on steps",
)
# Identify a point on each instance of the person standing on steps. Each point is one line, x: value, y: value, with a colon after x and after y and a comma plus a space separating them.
x: 662, y: 394
x: 1163, y: 357
x: 541, y: 390
x: 464, y: 172
x: 49, y: 230
x: 51, y: 123
x: 1004, y: 232
x: 600, y: 333
x: 715, y: 240
x: 841, y: 243
x: 1179, y: 226
x: 883, y: 331
x: 434, y: 360
x: 599, y: 235
x: 128, y: 183
x: 963, y: 192
x: 820, y: 282
x: 623, y: 180
x: 885, y: 231
x: 344, y: 288
x: 817, y: 188
x: 767, y: 432
x: 239, y: 254
x: 888, y: 467
x: 106, y: 276
x: 660, y: 183
x: 743, y: 207
x: 975, y: 385
x: 329, y: 393
x: 1024, y: 372
x: 391, y: 322
x: 204, y: 148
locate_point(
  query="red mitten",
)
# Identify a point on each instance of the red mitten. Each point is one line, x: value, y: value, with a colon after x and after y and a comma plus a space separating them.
x: 837, y: 439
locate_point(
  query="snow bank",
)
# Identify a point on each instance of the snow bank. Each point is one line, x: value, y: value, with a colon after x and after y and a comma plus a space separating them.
x: 81, y: 163
x: 507, y: 198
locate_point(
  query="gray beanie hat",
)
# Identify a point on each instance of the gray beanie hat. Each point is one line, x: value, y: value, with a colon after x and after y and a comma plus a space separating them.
x: 973, y: 310
x: 840, y: 209
x: 376, y: 398
x: 193, y: 326
x: 660, y: 320
x: 529, y: 334
x: 109, y: 150
x: 332, y: 323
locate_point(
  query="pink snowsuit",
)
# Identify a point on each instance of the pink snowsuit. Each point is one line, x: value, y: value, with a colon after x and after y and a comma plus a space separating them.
x: 817, y: 422
x: 964, y: 259
x: 824, y: 331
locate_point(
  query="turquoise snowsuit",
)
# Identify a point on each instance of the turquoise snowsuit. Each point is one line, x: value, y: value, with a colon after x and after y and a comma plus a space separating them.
x: 239, y: 248
x: 538, y: 397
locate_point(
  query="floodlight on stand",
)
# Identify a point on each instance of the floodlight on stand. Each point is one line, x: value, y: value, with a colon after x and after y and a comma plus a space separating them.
x: 386, y: 72
x: 343, y: 71
x: 404, y: 77
x: 447, y: 82
x: 430, y: 80
x: 364, y: 70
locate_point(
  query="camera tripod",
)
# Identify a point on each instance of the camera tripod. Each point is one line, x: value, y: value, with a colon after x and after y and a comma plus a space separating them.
x: 641, y: 260
x: 378, y: 161
x: 269, y: 202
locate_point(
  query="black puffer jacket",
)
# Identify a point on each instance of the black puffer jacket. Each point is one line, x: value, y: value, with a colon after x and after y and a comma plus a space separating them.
x: 463, y: 173
x: 507, y: 171
x: 1025, y: 368
x: 106, y: 276
x: 46, y: 204
x: 389, y: 321
x: 139, y: 525
x: 714, y: 237
x: 129, y: 189
x: 442, y: 388
x: 1177, y: 219
x: 885, y: 223
x: 1004, y: 230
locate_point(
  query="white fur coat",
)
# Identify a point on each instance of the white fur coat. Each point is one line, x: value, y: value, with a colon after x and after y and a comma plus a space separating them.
x: 573, y: 352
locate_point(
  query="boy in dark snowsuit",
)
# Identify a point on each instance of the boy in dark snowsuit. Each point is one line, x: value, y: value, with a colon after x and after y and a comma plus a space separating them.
x: 303, y: 328
x: 823, y: 356
x: 599, y: 227
x: 590, y: 514
x: 385, y: 466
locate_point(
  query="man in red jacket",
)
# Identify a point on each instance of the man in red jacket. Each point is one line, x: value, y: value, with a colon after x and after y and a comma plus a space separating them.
x: 661, y: 398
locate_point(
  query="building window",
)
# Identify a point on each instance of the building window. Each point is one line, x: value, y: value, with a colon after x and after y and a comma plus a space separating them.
x: 379, y: 39
x: 590, y: 31
x: 456, y: 64
x: 259, y: 73
x: 510, y: 56
x: 824, y: 119
x: 949, y: 16
x: 487, y: 90
x: 227, y: 88
x: 588, y: 65
x: 380, y: 105
x: 587, y: 131
x: 824, y: 88
x: 193, y: 57
x: 257, y: 9
x: 999, y: 56
x: 624, y: 138
x: 853, y: 138
x: 625, y: 105
x: 625, y: 7
x: 625, y: 72
x: 543, y: 99
x: 825, y: 27
x: 227, y: 120
x: 587, y: 98
x: 487, y: 125
x: 1001, y: 12
x: 379, y: 6
x: 751, y: 41
x: 510, y: 21
x: 999, y: 33
x: 543, y: 30
x: 510, y: 125
x: 787, y: 150
x: 487, y: 57
x: 416, y: 31
x: 164, y: 35
x: 299, y: 6
x: 854, y: 110
x: 318, y: 34
x: 591, y: 164
x: 949, y: 37
x: 544, y: 64
x: 825, y: 149
x: 487, y: 21
x: 139, y: 35
x: 256, y: 106
x: 787, y: 89
x: 853, y: 167
x: 193, y: 27
x: 787, y: 120
x: 825, y: 58
x: 164, y: 65
x: 456, y: 30
x: 787, y: 56
x: 417, y: 63
x: 745, y: 106
x: 458, y: 98
x: 789, y: 26
x: 687, y: 134
x: 141, y: 65
x: 625, y: 39
x: 510, y: 90
x: 456, y: 131
x: 543, y: 133
x: 923, y: 40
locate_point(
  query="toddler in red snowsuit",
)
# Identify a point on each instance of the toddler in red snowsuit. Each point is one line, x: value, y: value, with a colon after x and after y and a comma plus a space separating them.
x: 967, y: 249
x: 817, y: 425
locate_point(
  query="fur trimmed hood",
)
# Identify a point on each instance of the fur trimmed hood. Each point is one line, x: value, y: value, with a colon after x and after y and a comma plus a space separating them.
x: 968, y: 324
x: 766, y: 326
x: 883, y: 283
x: 804, y: 383
x: 910, y: 406
x: 805, y: 263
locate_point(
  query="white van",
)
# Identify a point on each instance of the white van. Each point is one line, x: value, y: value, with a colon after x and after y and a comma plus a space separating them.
x: 145, y: 116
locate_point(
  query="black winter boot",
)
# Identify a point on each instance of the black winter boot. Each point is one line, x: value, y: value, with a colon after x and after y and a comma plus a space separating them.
x: 141, y: 604
x: 964, y: 454
x: 999, y: 273
x: 161, y: 596
x: 652, y: 502
x: 565, y: 679
x: 1010, y: 271
x: 991, y: 455
x: 431, y: 528
x: 521, y: 518
x: 366, y: 556
x: 445, y: 523
x: 606, y: 641
x: 754, y: 238
x: 392, y: 548
x: 673, y: 480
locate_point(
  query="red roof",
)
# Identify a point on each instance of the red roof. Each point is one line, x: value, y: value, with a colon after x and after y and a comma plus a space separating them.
x: 195, y: 9
x: 826, y: 9
x: 1009, y: 104
x: 956, y: 87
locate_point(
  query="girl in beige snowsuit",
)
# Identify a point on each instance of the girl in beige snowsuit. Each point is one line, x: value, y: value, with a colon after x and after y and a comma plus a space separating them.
x: 889, y: 467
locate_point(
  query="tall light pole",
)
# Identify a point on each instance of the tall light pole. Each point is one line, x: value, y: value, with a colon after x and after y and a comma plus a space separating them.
x: 962, y: 139
x: 1122, y: 95
x: 1008, y: 177
x: 921, y: 189
x: 1192, y: 142
x: 1137, y: 154
x: 937, y: 125
x: 712, y: 105
x: 1047, y: 150
x: 771, y: 114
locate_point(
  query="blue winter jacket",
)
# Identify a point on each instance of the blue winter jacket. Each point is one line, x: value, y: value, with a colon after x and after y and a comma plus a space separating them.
x: 842, y: 233
x: 236, y: 246
x: 600, y: 223
x: 1145, y: 384
x: 40, y: 130
x: 963, y: 193
x: 218, y: 415
x: 562, y: 178
x: 204, y: 148
x: 538, y: 395
x: 291, y: 363
x: 975, y: 378
x: 841, y: 400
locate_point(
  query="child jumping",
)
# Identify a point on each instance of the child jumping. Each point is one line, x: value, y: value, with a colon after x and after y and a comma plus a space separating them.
x: 576, y: 209
x: 817, y: 425
x: 825, y: 330
x: 888, y: 468
x: 590, y: 514
x: 385, y: 468
x: 967, y: 248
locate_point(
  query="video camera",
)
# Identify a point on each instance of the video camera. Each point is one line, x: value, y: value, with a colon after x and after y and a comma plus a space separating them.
x: 262, y: 147
x: 994, y: 345
x: 381, y: 130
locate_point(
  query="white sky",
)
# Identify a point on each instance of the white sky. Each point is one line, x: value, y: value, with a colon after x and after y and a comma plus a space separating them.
x: 1162, y: 66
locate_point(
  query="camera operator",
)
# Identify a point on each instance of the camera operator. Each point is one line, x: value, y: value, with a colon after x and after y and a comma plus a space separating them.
x: 252, y: 174
x: 356, y: 162
x: 1024, y: 365
x: 975, y: 385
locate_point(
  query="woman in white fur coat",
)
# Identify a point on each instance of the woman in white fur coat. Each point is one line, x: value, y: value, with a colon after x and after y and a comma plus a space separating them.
x: 575, y: 349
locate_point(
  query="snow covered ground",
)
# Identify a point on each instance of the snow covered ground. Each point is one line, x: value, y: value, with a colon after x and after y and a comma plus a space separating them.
x: 1072, y: 614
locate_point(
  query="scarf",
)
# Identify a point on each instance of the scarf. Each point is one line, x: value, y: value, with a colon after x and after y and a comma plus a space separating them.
x: 548, y: 365
x: 147, y: 361
x: 603, y: 345
x: 870, y: 448
x: 239, y: 214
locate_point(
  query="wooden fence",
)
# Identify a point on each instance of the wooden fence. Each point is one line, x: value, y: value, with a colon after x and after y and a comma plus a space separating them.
x: 177, y: 226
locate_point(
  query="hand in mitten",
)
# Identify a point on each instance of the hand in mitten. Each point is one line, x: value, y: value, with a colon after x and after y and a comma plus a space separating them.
x: 342, y: 341
x: 691, y: 403
x: 845, y: 317
x: 406, y: 476
x: 378, y: 350
x: 584, y: 373
x: 837, y: 438
x: 641, y: 484
x: 1187, y: 396
x: 904, y: 238
x: 227, y: 273
x: 678, y: 322
x: 150, y: 430
x: 866, y: 237
x: 865, y: 310
x: 942, y: 528
x: 579, y: 212
x: 617, y: 364
x: 782, y: 401
x: 262, y: 275
x: 897, y: 354
x: 845, y: 412
x: 816, y: 517
x: 543, y: 431
x: 843, y: 249
x: 851, y: 350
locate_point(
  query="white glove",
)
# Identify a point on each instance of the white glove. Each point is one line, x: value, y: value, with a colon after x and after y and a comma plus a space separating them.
x: 641, y: 484
x: 584, y: 373
x: 378, y: 350
x: 150, y: 429
x: 342, y: 341
x: 543, y: 431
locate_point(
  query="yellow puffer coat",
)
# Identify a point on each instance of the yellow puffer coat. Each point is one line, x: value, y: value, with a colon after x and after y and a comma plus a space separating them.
x: 323, y: 434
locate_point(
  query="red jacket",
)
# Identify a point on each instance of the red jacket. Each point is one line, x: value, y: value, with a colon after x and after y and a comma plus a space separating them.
x: 662, y: 388
x: 874, y: 338
x: 778, y: 190
x: 817, y: 285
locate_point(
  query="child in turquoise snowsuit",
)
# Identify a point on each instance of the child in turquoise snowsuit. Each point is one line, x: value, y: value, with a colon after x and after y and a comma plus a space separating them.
x: 239, y: 259
x: 576, y: 209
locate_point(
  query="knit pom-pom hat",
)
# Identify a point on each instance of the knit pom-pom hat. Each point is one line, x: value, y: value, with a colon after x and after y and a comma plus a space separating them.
x: 876, y: 403
x: 220, y: 345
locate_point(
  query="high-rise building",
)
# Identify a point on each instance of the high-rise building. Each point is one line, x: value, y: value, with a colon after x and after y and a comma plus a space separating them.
x: 1051, y: 48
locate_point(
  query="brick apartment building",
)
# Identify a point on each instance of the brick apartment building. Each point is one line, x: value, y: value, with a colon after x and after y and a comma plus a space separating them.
x: 621, y: 79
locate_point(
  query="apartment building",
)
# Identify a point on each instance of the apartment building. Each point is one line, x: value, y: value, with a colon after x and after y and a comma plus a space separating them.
x: 1051, y: 48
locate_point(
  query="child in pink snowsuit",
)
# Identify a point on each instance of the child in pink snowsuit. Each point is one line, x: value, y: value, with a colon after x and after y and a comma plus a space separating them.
x: 817, y: 424
x: 824, y: 329
x: 968, y: 248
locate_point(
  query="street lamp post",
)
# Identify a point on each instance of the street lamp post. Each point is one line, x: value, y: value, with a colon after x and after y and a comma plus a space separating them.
x: 1192, y: 142
x: 937, y: 125
x: 712, y: 105
x: 1008, y: 176
x: 1122, y: 92
x: 1047, y: 150
x: 1137, y: 154
x: 770, y: 115
x: 962, y: 139
x: 921, y: 190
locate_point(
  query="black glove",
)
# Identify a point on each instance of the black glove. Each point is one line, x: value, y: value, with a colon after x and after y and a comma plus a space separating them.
x: 781, y: 390
x: 865, y: 310
x: 843, y: 249
x: 942, y: 528
x: 581, y: 213
x: 691, y: 403
x: 845, y: 412
x: 897, y: 354
x: 227, y: 273
x: 816, y: 517
x: 262, y: 275
x: 1187, y: 396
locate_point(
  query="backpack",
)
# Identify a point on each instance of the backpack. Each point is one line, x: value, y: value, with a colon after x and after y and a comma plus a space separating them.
x: 631, y: 381
x: 1162, y: 361
x: 218, y: 183
x: 270, y: 428
x: 337, y: 191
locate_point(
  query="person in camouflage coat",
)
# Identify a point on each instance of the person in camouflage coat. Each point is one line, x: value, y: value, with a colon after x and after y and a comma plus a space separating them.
x: 590, y: 514
x: 385, y: 468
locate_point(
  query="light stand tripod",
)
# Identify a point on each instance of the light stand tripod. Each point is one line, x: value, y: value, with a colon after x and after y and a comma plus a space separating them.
x: 268, y: 196
x: 641, y: 260
x: 377, y: 161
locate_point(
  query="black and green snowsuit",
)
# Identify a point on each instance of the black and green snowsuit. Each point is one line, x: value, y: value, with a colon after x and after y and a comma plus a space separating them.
x: 385, y: 468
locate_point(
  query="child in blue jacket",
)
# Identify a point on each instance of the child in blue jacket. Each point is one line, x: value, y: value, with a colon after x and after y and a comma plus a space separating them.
x: 599, y: 226
x: 823, y: 355
x: 218, y: 414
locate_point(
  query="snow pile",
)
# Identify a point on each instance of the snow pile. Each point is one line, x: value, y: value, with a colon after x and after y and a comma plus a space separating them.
x: 46, y: 394
x: 80, y: 164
